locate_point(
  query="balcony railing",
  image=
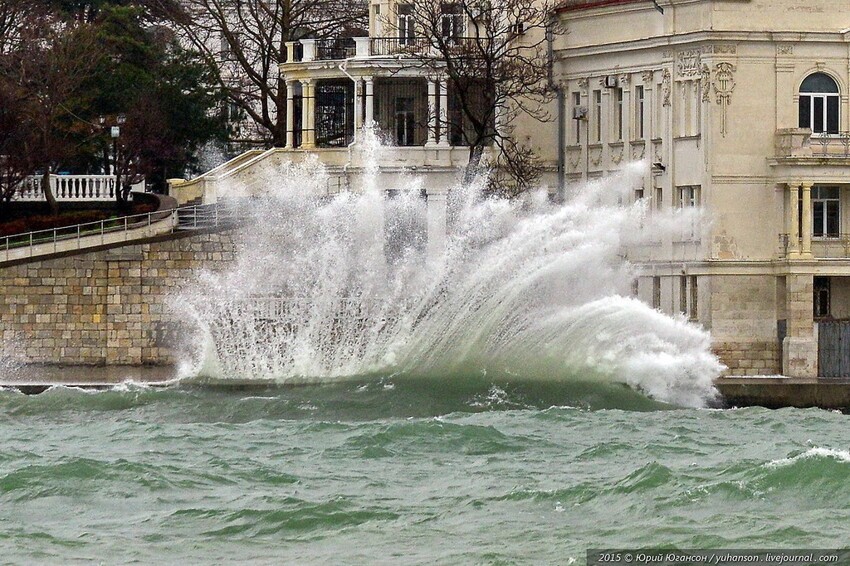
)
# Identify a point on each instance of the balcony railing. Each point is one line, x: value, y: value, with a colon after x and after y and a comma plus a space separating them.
x: 802, y: 143
x: 91, y: 188
x: 307, y: 50
x: 834, y: 247
x: 398, y: 45
x: 334, y: 49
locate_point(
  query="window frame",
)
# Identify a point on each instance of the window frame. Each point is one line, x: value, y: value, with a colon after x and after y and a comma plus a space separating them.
x: 819, y: 201
x: 577, y: 123
x: 828, y: 101
x: 640, y: 112
x: 405, y: 24
x: 619, y: 122
x: 597, y: 116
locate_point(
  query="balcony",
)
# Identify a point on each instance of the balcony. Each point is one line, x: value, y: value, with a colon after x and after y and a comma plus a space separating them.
x: 335, y: 49
x: 309, y: 50
x: 69, y: 188
x: 800, y: 143
x: 384, y: 46
x: 837, y: 247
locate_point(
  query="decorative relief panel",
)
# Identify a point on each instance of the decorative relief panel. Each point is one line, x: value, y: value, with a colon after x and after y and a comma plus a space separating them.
x: 582, y: 85
x: 721, y: 49
x: 596, y: 156
x: 665, y: 87
x: 638, y: 152
x: 705, y: 81
x: 617, y: 155
x: 688, y: 64
x: 724, y: 85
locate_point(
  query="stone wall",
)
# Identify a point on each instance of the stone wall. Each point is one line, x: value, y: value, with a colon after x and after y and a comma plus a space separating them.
x: 105, y: 307
x: 750, y: 358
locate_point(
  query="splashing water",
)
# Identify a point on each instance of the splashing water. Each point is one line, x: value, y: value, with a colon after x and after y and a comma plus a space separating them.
x: 332, y: 288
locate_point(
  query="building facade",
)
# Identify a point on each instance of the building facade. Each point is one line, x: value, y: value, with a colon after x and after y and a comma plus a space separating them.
x: 741, y: 107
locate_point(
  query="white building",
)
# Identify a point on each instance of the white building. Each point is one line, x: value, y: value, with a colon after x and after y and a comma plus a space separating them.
x: 742, y: 107
x: 335, y: 87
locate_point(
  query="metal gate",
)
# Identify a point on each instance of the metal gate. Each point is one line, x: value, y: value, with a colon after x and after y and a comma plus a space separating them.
x: 834, y: 349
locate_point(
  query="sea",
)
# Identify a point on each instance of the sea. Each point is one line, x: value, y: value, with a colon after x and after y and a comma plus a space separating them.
x: 403, y: 470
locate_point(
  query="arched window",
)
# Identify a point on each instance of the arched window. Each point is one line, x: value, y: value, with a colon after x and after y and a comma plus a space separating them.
x: 819, y: 104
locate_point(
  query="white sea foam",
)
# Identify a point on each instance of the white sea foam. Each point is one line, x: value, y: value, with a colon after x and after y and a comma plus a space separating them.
x: 816, y: 452
x: 524, y: 288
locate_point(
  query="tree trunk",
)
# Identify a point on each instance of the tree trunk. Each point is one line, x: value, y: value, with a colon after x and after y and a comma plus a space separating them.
x: 48, y: 192
x: 473, y: 167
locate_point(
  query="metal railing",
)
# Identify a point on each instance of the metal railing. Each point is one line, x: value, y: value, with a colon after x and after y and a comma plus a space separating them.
x: 399, y: 45
x: 830, y: 145
x: 832, y: 247
x: 93, y: 234
x: 335, y: 49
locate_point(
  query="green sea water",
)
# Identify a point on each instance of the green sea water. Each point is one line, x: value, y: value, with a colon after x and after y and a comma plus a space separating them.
x: 400, y: 471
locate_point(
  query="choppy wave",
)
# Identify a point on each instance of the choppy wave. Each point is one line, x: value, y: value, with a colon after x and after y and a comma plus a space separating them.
x: 470, y: 472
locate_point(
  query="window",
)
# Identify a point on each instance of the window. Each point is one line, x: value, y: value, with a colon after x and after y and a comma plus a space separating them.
x: 821, y: 301
x: 405, y: 24
x: 819, y: 104
x: 659, y: 197
x: 404, y: 121
x: 638, y: 194
x: 635, y: 287
x: 656, y: 292
x: 451, y: 22
x: 825, y: 212
x: 576, y: 106
x: 688, y: 196
x: 618, y: 111
x: 639, y: 112
x: 597, y: 116
x: 683, y: 294
x: 694, y: 298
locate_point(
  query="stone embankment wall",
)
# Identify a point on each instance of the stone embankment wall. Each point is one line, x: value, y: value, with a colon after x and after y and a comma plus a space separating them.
x: 750, y: 358
x: 105, y: 307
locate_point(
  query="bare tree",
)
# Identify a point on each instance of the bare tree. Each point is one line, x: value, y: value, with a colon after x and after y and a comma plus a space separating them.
x: 14, y: 154
x: 245, y: 40
x: 494, y: 56
x: 47, y: 75
x: 14, y: 15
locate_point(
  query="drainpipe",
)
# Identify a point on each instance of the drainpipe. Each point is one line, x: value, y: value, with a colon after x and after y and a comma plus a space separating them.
x: 344, y: 68
x: 550, y: 52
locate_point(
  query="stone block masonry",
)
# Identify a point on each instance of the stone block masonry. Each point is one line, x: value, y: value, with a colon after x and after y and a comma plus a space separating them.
x: 107, y: 307
x: 750, y: 358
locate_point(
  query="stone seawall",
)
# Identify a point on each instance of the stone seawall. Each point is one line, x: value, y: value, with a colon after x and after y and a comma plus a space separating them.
x: 107, y: 307
x: 750, y: 358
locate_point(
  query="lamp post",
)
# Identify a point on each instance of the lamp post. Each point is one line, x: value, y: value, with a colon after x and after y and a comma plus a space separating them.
x: 115, y: 132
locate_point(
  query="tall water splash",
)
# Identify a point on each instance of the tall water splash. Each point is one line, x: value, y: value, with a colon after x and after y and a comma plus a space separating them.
x: 338, y: 287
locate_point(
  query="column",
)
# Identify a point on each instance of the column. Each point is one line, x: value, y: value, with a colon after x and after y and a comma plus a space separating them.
x: 806, y: 227
x: 444, y: 112
x: 432, y: 113
x: 307, y: 114
x: 290, y: 114
x: 358, y: 107
x: 370, y: 102
x: 437, y: 227
x: 499, y: 118
x: 793, y: 221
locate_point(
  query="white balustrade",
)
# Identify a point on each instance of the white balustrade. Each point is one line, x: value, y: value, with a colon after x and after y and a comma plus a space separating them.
x: 67, y: 188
